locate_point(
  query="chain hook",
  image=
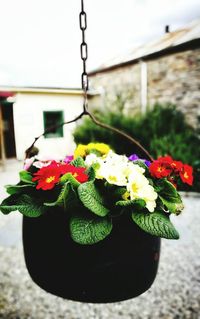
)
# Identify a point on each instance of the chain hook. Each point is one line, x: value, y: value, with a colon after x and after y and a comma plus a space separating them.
x: 84, y: 56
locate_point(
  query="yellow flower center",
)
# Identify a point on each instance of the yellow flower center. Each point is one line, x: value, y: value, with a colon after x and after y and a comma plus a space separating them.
x: 135, y: 188
x: 75, y: 175
x: 50, y: 179
x: 113, y: 178
x: 186, y: 175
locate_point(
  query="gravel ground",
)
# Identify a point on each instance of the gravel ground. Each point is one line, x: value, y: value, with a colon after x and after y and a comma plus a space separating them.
x: 175, y: 293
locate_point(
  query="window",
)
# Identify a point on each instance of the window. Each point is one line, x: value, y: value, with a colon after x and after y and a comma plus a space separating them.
x: 52, y: 118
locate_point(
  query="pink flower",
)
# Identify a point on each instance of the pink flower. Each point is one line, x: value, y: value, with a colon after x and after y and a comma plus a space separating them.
x: 40, y: 164
x: 68, y: 159
x: 28, y: 162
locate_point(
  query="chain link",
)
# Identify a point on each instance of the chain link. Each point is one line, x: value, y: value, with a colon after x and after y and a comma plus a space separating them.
x: 84, y: 54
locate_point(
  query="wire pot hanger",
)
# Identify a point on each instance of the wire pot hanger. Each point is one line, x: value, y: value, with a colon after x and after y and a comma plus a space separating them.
x: 85, y: 88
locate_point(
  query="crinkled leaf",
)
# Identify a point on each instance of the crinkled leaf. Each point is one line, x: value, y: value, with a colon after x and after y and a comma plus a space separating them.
x: 156, y: 223
x: 92, y: 199
x: 68, y: 177
x: 174, y: 208
x: 25, y: 204
x: 26, y: 177
x: 167, y: 191
x: 78, y: 162
x: 16, y: 189
x: 89, y: 231
x: 137, y: 203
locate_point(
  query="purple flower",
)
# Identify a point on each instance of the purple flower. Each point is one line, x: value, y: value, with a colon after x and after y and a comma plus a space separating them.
x: 134, y: 157
x: 68, y: 159
x: 147, y: 163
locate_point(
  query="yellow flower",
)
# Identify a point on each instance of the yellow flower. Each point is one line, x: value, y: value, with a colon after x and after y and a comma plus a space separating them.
x: 80, y: 151
x: 83, y: 150
x: 100, y: 147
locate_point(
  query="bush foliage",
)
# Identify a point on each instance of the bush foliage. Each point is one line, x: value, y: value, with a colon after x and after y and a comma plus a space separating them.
x: 162, y: 130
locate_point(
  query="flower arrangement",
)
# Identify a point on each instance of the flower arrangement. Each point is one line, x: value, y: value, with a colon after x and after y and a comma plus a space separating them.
x: 96, y: 185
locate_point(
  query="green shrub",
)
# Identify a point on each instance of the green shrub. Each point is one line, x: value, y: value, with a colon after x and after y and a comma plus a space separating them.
x: 162, y: 130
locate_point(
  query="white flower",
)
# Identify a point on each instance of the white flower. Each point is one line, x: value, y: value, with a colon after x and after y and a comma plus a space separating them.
x: 91, y: 159
x: 139, y: 187
x: 136, y: 167
x: 113, y: 175
x: 116, y: 160
x: 118, y: 170
x: 131, y: 168
x: 114, y: 169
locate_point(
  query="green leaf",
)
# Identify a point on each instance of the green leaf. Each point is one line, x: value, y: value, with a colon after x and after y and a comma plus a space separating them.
x: 89, y: 231
x: 119, y: 192
x: 174, y: 208
x: 92, y: 199
x: 16, y: 189
x: 25, y: 204
x: 26, y: 177
x: 139, y: 203
x: 156, y: 223
x: 91, y: 173
x: 61, y: 198
x: 78, y: 162
x: 68, y: 177
x: 66, y: 199
x: 167, y: 191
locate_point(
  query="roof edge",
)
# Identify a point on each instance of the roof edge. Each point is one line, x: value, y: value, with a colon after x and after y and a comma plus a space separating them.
x: 29, y: 89
x: 192, y: 44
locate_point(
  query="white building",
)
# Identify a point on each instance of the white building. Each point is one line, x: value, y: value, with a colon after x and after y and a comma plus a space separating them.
x: 26, y: 112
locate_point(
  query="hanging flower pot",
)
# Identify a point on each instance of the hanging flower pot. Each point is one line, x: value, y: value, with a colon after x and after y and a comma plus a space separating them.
x: 93, y: 221
x: 120, y: 267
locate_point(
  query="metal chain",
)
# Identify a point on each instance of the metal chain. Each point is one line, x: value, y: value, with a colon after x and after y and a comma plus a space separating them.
x: 84, y: 55
x: 85, y: 86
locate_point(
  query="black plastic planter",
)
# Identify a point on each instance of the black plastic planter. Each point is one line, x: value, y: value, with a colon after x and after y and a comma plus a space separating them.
x: 122, y: 266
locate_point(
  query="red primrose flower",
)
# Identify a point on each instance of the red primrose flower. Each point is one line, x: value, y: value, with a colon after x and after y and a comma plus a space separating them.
x: 47, y: 177
x: 166, y: 166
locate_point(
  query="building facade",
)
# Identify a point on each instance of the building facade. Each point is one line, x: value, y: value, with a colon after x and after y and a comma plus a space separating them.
x: 25, y: 113
x: 164, y: 71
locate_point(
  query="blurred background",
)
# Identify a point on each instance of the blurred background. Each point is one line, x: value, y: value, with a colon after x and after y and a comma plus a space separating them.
x: 144, y: 76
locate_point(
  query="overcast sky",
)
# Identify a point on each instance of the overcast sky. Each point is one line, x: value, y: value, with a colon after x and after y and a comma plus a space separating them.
x: 40, y: 39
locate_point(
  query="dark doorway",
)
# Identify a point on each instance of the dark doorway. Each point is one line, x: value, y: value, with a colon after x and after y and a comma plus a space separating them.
x: 8, y: 129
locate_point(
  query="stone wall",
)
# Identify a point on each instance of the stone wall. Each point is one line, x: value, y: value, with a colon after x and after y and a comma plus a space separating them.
x: 124, y: 82
x: 173, y: 78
